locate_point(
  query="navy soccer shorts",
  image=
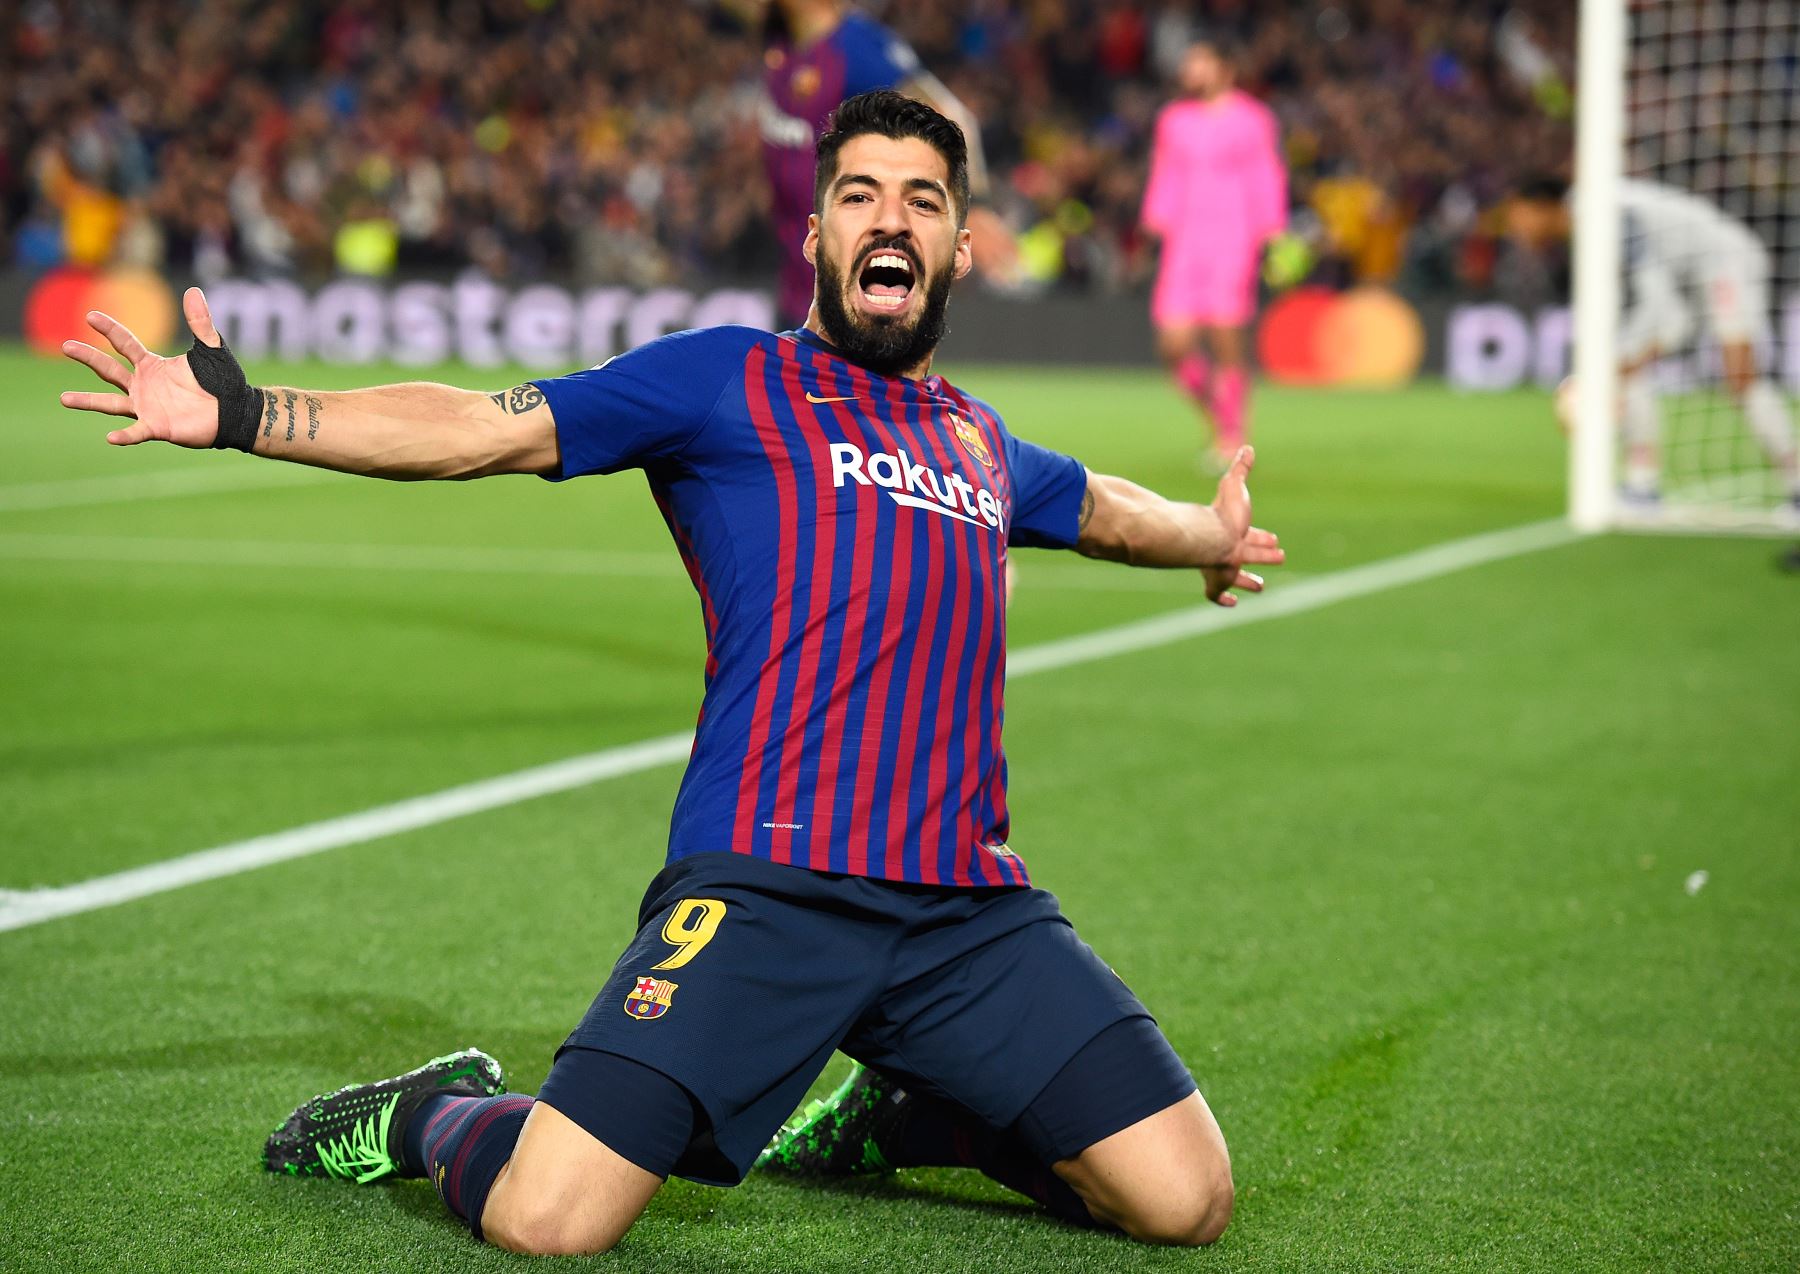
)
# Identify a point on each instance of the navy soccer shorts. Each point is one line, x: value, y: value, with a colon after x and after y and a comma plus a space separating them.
x: 745, y: 975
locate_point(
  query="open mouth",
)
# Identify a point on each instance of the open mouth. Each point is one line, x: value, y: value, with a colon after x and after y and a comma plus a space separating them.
x: 885, y: 280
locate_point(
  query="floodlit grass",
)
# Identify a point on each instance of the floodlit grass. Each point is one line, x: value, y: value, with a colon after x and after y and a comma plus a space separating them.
x: 1404, y: 878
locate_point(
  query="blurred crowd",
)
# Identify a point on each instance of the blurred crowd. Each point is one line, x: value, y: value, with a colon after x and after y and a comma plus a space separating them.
x: 601, y: 141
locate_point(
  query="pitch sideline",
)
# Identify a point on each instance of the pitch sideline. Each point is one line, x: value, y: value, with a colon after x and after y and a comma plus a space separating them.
x: 20, y: 909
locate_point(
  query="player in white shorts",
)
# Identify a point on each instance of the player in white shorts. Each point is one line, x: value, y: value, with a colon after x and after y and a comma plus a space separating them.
x: 1677, y: 248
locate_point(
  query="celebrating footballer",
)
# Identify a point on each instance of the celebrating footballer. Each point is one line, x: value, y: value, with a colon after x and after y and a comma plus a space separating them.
x: 840, y: 874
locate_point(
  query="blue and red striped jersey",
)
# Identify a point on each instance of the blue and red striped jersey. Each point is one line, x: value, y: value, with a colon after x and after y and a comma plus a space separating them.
x: 802, y: 86
x: 847, y: 534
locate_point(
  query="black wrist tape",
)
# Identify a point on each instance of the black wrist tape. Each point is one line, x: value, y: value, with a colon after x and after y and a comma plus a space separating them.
x: 240, y: 403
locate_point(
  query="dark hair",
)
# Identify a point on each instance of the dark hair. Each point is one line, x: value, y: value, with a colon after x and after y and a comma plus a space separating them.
x: 886, y: 113
x: 1542, y: 188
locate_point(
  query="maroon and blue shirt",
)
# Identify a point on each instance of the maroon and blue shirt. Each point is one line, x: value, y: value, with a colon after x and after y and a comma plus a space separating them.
x: 847, y: 534
x: 803, y: 85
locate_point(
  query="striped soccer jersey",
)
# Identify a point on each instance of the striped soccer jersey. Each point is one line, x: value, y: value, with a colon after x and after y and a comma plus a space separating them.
x: 847, y: 534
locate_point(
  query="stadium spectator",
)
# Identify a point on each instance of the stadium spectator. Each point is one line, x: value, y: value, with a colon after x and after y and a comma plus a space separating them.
x: 535, y: 139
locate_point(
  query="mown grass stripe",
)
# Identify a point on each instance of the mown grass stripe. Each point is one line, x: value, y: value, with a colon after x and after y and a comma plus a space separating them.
x: 22, y: 908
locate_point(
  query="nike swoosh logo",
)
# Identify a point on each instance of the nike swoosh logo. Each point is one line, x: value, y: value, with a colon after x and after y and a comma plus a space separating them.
x: 814, y: 398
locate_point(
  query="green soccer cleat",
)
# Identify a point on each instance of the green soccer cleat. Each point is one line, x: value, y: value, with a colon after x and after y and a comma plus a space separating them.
x: 836, y: 1136
x: 354, y: 1134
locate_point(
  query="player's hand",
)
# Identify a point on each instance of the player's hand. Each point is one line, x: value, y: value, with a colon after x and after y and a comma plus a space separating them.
x: 1247, y: 545
x: 159, y: 394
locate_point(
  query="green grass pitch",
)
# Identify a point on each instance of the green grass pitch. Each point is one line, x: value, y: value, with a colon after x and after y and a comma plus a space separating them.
x: 1403, y: 877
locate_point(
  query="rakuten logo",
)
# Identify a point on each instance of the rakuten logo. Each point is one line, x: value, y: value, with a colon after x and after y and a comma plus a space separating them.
x: 916, y: 486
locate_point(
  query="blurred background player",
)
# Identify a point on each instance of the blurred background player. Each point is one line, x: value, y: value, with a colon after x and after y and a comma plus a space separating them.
x: 1676, y: 246
x: 1217, y: 192
x: 820, y: 52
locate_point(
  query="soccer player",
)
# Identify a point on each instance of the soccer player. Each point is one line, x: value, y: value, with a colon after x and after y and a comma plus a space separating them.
x: 820, y: 52
x: 1675, y: 247
x: 1217, y: 193
x: 839, y: 872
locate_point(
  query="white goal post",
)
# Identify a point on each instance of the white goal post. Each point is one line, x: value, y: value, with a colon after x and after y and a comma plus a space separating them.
x: 1686, y: 217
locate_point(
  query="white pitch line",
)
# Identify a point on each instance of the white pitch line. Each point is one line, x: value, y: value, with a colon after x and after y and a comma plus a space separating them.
x: 21, y: 908
x: 70, y: 493
x: 1308, y: 594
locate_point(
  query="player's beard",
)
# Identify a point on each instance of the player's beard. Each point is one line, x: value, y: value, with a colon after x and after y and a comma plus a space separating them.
x: 886, y: 346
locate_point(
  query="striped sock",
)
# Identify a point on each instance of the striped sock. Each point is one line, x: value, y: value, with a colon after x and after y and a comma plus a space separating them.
x: 463, y: 1143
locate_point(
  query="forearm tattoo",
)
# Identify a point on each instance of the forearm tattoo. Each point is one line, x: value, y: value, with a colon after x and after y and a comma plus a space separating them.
x: 269, y: 414
x: 312, y: 417
x: 291, y: 398
x: 519, y: 399
x: 1087, y: 511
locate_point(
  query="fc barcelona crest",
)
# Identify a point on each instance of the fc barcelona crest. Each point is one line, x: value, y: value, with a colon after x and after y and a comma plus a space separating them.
x: 650, y: 999
x: 972, y: 441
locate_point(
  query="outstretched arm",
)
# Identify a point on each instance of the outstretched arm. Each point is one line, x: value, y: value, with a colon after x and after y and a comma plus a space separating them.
x: 1163, y: 191
x: 1268, y: 179
x: 407, y: 432
x: 1123, y: 522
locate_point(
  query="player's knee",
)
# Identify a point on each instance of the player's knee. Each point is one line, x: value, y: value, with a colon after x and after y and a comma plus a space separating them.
x: 1174, y: 344
x: 1212, y: 1212
x: 1228, y: 354
x: 543, y: 1227
x: 1738, y: 359
x: 1194, y: 1211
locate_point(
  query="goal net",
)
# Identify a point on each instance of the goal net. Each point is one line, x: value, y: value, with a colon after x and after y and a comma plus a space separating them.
x: 1687, y: 293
